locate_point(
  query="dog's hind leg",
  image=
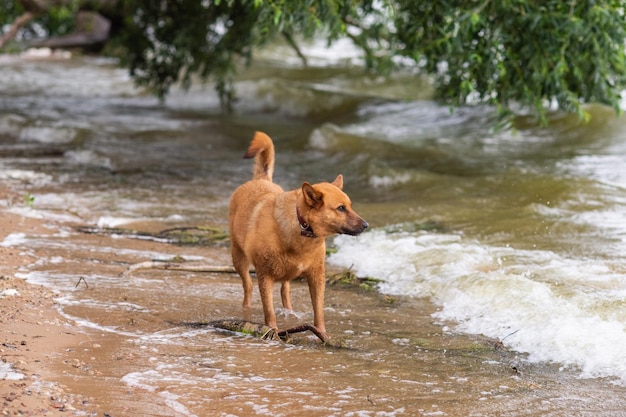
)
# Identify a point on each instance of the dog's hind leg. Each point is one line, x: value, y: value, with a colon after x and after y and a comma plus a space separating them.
x: 285, y: 294
x: 242, y: 266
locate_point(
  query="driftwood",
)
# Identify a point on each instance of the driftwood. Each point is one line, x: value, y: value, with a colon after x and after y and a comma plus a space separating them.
x: 191, y: 235
x: 303, y: 328
x: 265, y: 332
x: 178, y: 266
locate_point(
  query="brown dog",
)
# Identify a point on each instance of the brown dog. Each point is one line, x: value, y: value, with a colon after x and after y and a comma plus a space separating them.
x: 283, y: 233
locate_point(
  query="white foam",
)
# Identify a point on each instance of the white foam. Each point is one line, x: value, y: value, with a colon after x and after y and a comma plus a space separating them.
x: 136, y: 379
x: 565, y: 310
x: 318, y: 53
x: 88, y: 157
x: 36, y: 213
x: 10, y: 292
x: 171, y: 400
x: 49, y: 134
x: 31, y: 177
x: 610, y: 169
x: 8, y: 374
x: 14, y: 239
x: 109, y: 221
x: 147, y: 380
x: 44, y: 53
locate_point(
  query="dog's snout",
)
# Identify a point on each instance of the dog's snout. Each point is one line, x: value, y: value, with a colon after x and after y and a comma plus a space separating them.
x: 360, y: 227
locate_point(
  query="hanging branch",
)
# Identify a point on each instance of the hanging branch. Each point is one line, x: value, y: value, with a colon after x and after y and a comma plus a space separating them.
x: 294, y: 45
x: 15, y: 27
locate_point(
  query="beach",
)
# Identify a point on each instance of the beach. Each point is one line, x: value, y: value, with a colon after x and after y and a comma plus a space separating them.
x: 495, y: 259
x: 36, y: 339
x: 56, y: 365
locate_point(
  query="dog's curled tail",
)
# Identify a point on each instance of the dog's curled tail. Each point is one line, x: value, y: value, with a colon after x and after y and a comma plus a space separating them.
x: 262, y: 150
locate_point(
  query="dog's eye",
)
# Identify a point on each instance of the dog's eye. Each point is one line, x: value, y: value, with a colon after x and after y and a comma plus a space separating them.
x: 341, y: 209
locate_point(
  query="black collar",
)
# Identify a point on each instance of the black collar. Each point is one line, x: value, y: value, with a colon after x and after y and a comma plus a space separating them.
x: 305, y: 229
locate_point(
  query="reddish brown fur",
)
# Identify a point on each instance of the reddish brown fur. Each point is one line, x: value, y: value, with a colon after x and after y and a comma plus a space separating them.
x: 265, y: 232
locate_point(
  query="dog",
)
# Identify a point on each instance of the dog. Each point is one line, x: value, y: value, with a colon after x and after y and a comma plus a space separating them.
x: 282, y: 233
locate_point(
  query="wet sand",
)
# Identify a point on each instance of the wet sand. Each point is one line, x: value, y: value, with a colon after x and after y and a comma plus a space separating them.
x: 395, y: 359
x: 92, y: 343
x: 50, y: 365
x: 35, y: 339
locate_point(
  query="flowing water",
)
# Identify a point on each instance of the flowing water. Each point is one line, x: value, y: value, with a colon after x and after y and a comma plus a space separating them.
x: 501, y: 253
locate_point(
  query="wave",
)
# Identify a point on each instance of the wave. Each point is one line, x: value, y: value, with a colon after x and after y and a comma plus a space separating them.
x: 555, y: 308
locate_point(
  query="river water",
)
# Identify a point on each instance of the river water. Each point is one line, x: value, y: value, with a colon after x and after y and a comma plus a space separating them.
x: 501, y: 252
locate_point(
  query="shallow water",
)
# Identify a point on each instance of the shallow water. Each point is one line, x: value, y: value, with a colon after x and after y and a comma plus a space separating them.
x: 516, y: 235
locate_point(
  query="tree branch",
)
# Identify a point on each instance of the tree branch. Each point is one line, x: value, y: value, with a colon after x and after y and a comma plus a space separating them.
x: 265, y: 332
x: 295, y: 47
x: 15, y: 27
x: 283, y: 334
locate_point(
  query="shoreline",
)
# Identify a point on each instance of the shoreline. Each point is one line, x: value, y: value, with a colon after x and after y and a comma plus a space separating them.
x: 60, y: 367
x: 35, y: 337
x: 50, y: 364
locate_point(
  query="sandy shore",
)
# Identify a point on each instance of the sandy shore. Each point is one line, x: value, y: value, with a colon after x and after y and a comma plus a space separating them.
x: 34, y: 337
x: 397, y: 356
x: 49, y: 364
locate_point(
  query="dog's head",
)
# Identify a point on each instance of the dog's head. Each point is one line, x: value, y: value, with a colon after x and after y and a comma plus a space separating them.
x: 327, y: 210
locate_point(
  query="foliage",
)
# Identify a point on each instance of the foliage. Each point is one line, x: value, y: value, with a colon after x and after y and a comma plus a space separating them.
x: 537, y: 54
x: 167, y: 42
x: 58, y: 19
x: 534, y: 53
x: 9, y: 11
x: 29, y: 200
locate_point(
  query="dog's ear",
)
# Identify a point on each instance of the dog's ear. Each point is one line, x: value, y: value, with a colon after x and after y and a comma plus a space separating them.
x: 312, y: 197
x: 338, y: 182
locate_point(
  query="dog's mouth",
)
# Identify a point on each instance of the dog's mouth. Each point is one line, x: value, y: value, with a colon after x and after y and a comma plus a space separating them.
x: 351, y: 232
x: 356, y: 230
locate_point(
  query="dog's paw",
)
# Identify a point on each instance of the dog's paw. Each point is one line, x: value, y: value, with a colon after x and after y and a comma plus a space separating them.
x: 270, y: 334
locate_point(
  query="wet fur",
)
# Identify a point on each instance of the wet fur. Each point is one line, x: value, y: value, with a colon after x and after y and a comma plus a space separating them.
x: 266, y: 232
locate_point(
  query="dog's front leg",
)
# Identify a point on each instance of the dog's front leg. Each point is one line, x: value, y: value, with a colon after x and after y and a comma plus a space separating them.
x: 266, y: 288
x: 285, y: 294
x: 317, y: 285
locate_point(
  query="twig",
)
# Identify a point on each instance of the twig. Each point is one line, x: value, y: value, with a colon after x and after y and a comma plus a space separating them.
x: 176, y: 235
x: 510, y: 334
x: 132, y: 234
x: 83, y: 280
x: 499, y: 344
x: 295, y: 47
x: 178, y: 266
